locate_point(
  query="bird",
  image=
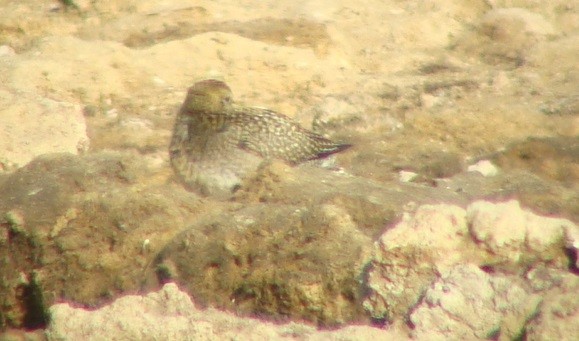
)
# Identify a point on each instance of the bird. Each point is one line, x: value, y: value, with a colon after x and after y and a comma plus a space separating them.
x: 216, y: 143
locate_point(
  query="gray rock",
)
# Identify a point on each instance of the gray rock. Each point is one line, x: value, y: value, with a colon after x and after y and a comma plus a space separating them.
x: 467, y: 303
x: 559, y: 311
x: 500, y: 237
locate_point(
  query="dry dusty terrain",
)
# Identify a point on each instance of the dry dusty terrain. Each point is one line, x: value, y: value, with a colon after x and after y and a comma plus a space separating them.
x: 454, y: 215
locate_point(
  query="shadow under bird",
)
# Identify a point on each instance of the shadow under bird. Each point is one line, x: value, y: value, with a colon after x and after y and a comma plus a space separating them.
x: 216, y: 143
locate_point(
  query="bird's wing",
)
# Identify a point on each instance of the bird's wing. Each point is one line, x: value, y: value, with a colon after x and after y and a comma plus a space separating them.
x: 276, y: 136
x: 259, y: 131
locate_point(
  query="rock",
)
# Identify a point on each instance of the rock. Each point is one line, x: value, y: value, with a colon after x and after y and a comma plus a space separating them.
x: 406, y: 176
x: 417, y: 86
x: 510, y: 233
x: 23, y: 335
x: 559, y: 311
x: 293, y: 262
x: 33, y: 125
x: 543, y: 196
x: 484, y: 167
x: 6, y: 50
x: 159, y: 315
x: 497, y: 237
x: 408, y: 256
x: 372, y: 205
x: 169, y: 314
x: 467, y: 303
x: 68, y: 217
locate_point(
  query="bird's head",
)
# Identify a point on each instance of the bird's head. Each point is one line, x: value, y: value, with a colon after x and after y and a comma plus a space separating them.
x: 208, y: 96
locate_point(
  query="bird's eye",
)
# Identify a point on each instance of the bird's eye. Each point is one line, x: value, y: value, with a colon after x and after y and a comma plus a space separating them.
x: 226, y: 100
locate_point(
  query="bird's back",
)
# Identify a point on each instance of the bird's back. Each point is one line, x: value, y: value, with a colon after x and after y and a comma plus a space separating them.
x: 276, y: 136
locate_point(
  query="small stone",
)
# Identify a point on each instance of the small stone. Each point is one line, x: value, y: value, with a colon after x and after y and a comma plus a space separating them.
x: 484, y: 167
x: 6, y: 51
x: 406, y: 176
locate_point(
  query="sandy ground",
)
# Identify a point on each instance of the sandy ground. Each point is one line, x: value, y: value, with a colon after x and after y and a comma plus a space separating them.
x: 422, y: 89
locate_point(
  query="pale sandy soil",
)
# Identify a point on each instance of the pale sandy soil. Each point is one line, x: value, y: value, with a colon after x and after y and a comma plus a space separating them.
x: 427, y: 87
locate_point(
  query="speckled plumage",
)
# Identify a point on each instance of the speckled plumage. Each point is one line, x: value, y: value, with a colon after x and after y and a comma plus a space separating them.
x: 216, y: 142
